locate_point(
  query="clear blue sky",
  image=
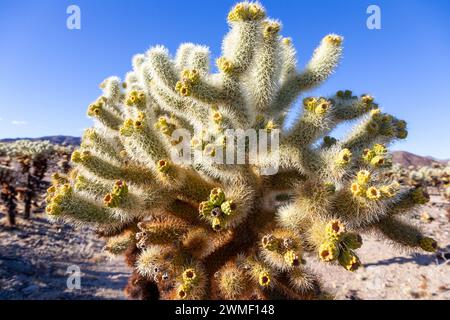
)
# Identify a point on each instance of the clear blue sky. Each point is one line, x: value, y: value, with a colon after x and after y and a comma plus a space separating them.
x: 49, y: 74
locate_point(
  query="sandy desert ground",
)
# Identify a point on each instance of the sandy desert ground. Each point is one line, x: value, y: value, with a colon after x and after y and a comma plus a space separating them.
x: 36, y: 258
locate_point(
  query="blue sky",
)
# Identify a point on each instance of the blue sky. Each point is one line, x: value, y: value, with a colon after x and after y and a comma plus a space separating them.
x: 49, y: 74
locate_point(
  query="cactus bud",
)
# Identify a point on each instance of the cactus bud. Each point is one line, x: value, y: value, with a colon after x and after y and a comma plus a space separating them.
x: 269, y: 242
x: 368, y: 155
x: 322, y: 107
x: 205, y: 208
x: 217, y: 196
x: 292, y: 258
x: 182, y: 292
x: 357, y: 189
x: 329, y: 251
x: 217, y: 117
x: 349, y: 260
x: 216, y: 224
x: 373, y: 193
x: 224, y: 65
x: 344, y: 157
x: 189, y: 276
x: 271, y: 29
x: 428, y: 244
x: 352, y: 241
x: 334, y: 40
x: 264, y: 279
x: 378, y: 161
x: 163, y: 166
x: 402, y: 134
x: 389, y: 191
x: 228, y: 207
x: 380, y: 149
x: 127, y: 128
x: 367, y: 99
x: 363, y: 177
x: 335, y: 229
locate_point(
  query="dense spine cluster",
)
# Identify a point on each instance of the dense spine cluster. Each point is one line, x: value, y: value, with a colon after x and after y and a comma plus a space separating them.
x: 206, y: 228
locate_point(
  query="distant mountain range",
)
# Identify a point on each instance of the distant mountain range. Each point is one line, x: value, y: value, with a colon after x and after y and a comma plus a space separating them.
x: 402, y: 157
x: 410, y: 159
x: 66, y: 140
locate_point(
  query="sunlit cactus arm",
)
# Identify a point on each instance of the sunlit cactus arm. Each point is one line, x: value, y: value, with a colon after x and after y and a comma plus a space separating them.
x: 96, y: 166
x: 348, y: 107
x: 314, y: 122
x: 290, y: 157
x: 265, y: 72
x: 69, y: 204
x: 183, y: 55
x: 112, y: 90
x: 289, y: 60
x: 138, y: 135
x: 104, y: 115
x: 323, y: 63
x: 98, y: 141
x: 184, y: 108
x: 239, y: 44
x: 321, y: 115
x: 231, y: 283
x: 361, y: 209
x: 161, y: 68
x: 204, y: 88
x: 199, y: 59
x: 302, y: 281
x: 376, y: 128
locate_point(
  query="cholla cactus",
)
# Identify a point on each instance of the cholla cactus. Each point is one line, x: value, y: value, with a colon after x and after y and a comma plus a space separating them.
x: 436, y: 176
x: 32, y: 158
x: 26, y: 148
x: 202, y: 229
x: 8, y: 193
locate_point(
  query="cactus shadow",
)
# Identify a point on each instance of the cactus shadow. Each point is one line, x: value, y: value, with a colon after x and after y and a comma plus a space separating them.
x: 442, y: 256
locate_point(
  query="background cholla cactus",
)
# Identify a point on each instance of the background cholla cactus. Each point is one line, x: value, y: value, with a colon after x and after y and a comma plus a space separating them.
x: 28, y: 162
x: 205, y: 230
x: 436, y: 176
x: 8, y: 193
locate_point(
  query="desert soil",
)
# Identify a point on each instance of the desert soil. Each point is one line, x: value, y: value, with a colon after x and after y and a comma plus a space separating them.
x: 38, y: 259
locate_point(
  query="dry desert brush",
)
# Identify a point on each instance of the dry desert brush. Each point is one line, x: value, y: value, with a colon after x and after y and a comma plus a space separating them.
x: 203, y: 229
